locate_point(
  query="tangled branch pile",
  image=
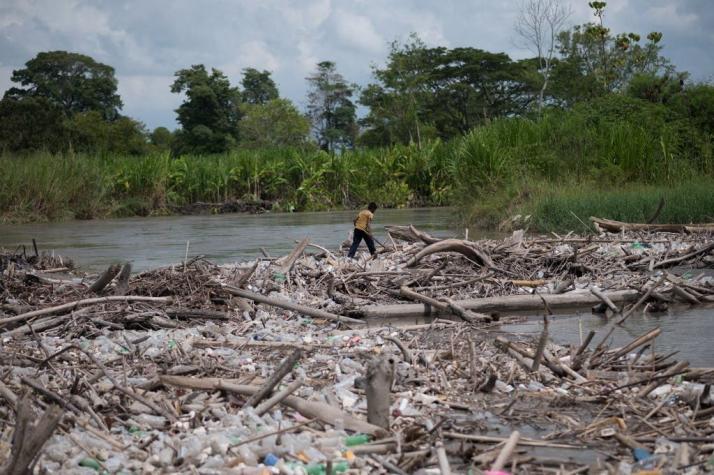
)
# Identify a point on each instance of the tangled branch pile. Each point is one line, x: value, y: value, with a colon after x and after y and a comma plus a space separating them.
x: 290, y: 364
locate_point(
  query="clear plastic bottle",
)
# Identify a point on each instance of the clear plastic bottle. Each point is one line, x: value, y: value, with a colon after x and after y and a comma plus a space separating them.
x: 247, y: 455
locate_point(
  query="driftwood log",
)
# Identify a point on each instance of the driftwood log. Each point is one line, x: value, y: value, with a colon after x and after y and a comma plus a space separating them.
x: 378, y: 386
x: 509, y: 303
x: 81, y: 303
x: 285, y: 367
x: 287, y: 305
x: 467, y: 248
x: 122, y: 286
x: 310, y: 409
x: 619, y: 226
x: 29, y: 436
x: 277, y: 398
x: 446, y: 306
x: 286, y: 263
x: 410, y: 234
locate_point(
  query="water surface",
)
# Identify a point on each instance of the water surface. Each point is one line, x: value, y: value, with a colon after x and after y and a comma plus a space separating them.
x: 686, y: 330
x: 159, y: 241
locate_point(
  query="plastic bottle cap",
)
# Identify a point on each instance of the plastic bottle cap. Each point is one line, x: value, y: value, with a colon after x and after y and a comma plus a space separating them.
x: 641, y: 454
x: 271, y: 459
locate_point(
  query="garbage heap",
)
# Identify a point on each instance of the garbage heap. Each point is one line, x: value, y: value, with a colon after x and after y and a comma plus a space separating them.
x: 314, y: 363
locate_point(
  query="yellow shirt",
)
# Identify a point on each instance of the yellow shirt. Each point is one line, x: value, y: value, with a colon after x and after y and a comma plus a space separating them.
x: 363, y: 219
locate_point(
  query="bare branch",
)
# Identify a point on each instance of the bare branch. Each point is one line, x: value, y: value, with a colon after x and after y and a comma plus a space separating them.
x: 538, y: 25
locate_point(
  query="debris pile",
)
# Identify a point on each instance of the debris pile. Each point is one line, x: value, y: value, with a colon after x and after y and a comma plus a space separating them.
x: 314, y: 363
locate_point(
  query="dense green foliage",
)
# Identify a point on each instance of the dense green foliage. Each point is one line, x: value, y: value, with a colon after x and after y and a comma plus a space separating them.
x: 70, y: 81
x: 273, y: 124
x: 569, y: 208
x: 612, y: 142
x: 424, y: 93
x: 209, y: 114
x: 331, y: 109
x: 496, y: 169
x: 258, y: 87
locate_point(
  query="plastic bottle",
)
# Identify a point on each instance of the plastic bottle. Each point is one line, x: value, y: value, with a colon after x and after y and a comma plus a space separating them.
x: 356, y: 439
x: 329, y: 444
x: 321, y: 469
x: 247, y: 455
x: 90, y: 463
x: 295, y: 443
x: 314, y: 455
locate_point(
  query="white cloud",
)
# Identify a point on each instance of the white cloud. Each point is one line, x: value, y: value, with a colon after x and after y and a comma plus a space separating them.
x: 5, y: 75
x: 358, y: 31
x: 255, y: 54
x: 305, y: 15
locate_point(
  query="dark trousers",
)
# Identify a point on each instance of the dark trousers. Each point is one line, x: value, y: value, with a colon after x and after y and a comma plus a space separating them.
x: 358, y: 236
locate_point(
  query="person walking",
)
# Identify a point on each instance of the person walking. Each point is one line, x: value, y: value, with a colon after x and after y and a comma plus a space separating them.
x: 363, y: 230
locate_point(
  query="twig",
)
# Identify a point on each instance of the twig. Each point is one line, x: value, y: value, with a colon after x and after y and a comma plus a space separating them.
x: 641, y: 300
x: 285, y: 367
x: 81, y: 303
x: 506, y: 451
x: 266, y: 405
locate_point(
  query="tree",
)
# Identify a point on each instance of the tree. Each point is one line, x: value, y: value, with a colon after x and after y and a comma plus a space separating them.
x: 538, y: 26
x: 439, y: 92
x: 276, y: 123
x: 258, y: 87
x: 88, y: 133
x: 161, y: 138
x: 696, y: 102
x: 330, y: 108
x: 397, y: 103
x: 32, y: 123
x: 473, y: 86
x: 654, y: 88
x: 71, y: 81
x: 595, y: 62
x: 210, y: 112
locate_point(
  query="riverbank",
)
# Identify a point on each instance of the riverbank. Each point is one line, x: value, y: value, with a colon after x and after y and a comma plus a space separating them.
x: 173, y: 368
x: 45, y: 187
x: 613, y: 157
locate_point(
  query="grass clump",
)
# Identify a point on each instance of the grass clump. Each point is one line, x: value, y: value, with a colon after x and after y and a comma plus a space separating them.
x: 569, y: 208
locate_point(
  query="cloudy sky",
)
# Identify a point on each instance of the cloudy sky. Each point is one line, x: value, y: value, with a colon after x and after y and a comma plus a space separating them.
x: 146, y: 41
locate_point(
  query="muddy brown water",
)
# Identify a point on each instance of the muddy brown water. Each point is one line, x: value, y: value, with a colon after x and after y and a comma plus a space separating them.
x: 160, y: 241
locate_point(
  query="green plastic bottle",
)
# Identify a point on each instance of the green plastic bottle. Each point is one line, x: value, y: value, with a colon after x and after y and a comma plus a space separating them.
x: 357, y: 439
x: 315, y: 469
x: 90, y: 463
x: 321, y: 469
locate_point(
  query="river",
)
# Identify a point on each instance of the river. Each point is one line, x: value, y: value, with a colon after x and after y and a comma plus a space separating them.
x: 160, y: 241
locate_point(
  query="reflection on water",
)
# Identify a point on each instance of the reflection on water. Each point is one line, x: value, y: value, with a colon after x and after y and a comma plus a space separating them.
x: 688, y: 331
x: 154, y: 242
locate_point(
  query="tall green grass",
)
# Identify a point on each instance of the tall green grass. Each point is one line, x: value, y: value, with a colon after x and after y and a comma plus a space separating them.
x: 49, y: 187
x: 570, y: 207
x: 492, y: 172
